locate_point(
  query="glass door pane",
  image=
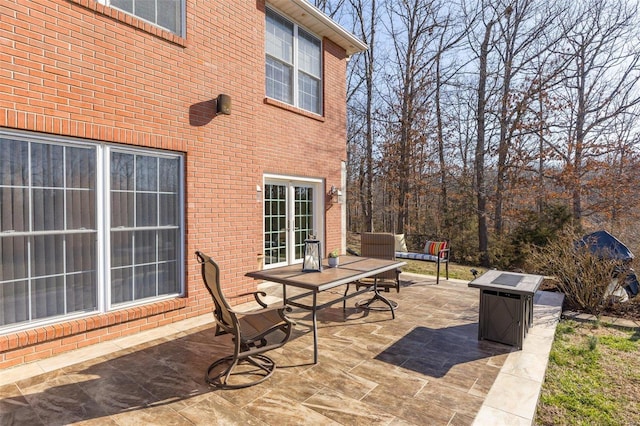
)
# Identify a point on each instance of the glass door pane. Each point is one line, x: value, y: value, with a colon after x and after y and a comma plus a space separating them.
x: 275, y: 224
x: 303, y: 216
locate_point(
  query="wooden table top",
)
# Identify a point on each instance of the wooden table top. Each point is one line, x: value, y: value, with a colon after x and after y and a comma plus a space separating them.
x: 352, y: 268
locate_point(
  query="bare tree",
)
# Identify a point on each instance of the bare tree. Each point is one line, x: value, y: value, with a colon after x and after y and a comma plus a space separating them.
x: 421, y: 33
x: 527, y: 35
x: 330, y: 7
x: 602, y: 82
x: 362, y: 79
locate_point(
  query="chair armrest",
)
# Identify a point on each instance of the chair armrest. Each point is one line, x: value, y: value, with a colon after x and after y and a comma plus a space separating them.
x: 444, y: 254
x: 280, y: 309
x: 256, y: 295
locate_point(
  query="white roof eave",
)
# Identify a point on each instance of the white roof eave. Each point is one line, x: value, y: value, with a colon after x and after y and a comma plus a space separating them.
x: 313, y: 19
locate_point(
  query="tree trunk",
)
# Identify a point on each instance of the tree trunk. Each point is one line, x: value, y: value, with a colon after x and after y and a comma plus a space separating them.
x: 483, y: 240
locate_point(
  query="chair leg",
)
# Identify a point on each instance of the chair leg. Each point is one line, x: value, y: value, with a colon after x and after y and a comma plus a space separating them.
x: 264, y: 368
x: 438, y: 272
x: 366, y: 304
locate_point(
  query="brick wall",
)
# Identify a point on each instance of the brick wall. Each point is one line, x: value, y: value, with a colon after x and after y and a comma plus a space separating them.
x: 77, y: 68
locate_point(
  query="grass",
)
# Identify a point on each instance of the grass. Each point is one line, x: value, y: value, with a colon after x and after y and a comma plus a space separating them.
x: 592, y: 377
x: 457, y: 271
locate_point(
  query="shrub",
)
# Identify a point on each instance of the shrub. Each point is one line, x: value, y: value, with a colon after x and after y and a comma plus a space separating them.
x: 580, y: 274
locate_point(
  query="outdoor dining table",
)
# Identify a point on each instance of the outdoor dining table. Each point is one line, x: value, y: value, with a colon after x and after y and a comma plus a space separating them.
x: 351, y: 269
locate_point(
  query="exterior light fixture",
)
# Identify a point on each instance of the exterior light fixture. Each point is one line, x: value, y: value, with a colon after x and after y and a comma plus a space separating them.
x: 335, y: 194
x: 312, y: 261
x: 223, y: 104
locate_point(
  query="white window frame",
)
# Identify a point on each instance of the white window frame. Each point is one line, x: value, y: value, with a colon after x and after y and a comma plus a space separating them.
x: 318, y: 211
x: 103, y: 229
x: 295, y: 65
x: 106, y: 303
x: 181, y: 31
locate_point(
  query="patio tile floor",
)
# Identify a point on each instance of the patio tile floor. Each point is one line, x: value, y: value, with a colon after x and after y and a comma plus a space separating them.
x: 426, y: 367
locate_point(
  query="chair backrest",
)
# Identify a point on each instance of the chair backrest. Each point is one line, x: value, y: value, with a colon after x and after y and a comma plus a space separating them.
x: 380, y: 245
x: 211, y: 278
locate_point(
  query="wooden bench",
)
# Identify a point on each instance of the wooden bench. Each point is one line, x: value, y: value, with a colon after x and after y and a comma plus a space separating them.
x: 434, y: 251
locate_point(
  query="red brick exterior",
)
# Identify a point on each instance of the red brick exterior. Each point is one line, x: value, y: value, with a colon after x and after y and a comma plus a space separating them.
x: 77, y: 68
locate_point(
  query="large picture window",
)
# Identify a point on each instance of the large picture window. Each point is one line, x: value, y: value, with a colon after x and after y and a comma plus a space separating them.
x: 163, y: 13
x: 293, y: 64
x: 62, y: 255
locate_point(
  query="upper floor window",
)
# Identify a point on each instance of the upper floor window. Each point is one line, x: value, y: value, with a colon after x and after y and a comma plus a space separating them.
x: 163, y: 13
x: 293, y: 64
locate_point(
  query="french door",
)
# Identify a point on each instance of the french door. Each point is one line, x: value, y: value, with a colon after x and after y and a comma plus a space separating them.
x: 291, y: 214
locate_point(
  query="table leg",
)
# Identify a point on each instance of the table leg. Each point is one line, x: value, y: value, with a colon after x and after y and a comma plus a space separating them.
x: 315, y: 328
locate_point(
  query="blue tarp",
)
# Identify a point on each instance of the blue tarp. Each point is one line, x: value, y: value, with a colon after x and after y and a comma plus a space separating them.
x: 605, y: 245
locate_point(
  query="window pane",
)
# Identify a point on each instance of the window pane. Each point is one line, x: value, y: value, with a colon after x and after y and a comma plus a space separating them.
x: 169, y: 174
x: 46, y: 161
x: 169, y: 15
x: 122, y: 171
x: 14, y: 302
x: 121, y: 248
x: 126, y: 5
x: 14, y: 163
x: 168, y: 280
x: 48, y: 210
x: 168, y: 243
x: 279, y: 84
x: 122, y: 206
x: 47, y: 255
x: 81, y: 292
x: 80, y: 168
x: 309, y: 93
x: 14, y: 209
x: 308, y: 53
x: 14, y: 255
x: 121, y: 285
x: 146, y: 9
x: 48, y: 297
x: 145, y: 281
x: 275, y: 238
x: 80, y: 252
x: 81, y: 209
x: 145, y: 247
x: 169, y: 209
x: 146, y: 173
x: 146, y: 209
x: 279, y: 37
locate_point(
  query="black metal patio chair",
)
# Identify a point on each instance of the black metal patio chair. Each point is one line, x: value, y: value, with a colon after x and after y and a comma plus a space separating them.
x: 378, y: 245
x: 254, y: 333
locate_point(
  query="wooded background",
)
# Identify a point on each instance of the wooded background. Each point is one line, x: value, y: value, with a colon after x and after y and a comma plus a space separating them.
x: 493, y: 123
